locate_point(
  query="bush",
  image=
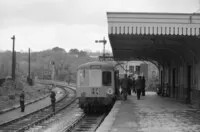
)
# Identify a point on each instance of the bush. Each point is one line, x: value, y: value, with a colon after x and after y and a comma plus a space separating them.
x: 8, y: 84
x: 11, y: 97
x: 5, y: 98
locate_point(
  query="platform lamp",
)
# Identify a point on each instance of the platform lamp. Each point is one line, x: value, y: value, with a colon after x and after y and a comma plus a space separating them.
x: 104, y: 43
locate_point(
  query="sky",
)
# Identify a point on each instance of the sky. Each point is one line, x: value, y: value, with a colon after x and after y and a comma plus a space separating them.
x: 44, y: 24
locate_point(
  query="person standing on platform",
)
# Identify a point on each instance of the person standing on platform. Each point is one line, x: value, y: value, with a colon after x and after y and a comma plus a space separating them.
x: 118, y: 87
x: 53, y: 100
x: 133, y: 85
x: 129, y: 85
x: 124, y: 86
x: 138, y: 86
x: 143, y: 86
x: 22, y: 96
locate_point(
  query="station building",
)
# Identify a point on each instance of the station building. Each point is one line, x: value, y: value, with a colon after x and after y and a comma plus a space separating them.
x: 171, y: 41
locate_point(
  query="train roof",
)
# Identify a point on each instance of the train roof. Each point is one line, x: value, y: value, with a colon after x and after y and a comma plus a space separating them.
x: 98, y: 65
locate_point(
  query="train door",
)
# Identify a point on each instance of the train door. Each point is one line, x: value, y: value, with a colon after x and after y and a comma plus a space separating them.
x: 116, y: 82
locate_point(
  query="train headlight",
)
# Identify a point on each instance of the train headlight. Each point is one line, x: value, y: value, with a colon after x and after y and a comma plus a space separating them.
x: 109, y: 91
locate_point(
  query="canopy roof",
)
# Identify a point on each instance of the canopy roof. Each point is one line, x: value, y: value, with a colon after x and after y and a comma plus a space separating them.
x: 161, y: 37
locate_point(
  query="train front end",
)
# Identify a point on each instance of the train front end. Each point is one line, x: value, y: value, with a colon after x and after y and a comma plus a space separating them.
x: 95, y: 85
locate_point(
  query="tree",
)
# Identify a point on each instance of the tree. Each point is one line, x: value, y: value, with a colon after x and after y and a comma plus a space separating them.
x: 74, y: 51
x: 65, y: 64
x: 57, y: 49
x: 69, y: 77
x: 5, y: 64
x: 2, y: 71
x: 82, y: 53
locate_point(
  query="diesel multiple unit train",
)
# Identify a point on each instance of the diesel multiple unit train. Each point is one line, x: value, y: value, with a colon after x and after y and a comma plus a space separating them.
x: 96, y: 85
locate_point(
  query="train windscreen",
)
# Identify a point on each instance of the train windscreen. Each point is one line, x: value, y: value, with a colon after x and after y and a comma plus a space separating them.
x: 95, y: 78
x: 106, y: 78
x: 83, y: 78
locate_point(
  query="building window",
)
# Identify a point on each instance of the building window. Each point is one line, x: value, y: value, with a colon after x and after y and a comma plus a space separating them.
x: 137, y: 70
x: 131, y: 69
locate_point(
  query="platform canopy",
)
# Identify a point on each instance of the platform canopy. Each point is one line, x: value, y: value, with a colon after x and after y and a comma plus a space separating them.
x: 160, y: 37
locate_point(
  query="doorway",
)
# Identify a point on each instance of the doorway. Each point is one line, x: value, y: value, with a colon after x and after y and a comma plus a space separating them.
x: 173, y: 82
x: 189, y: 72
x: 161, y: 82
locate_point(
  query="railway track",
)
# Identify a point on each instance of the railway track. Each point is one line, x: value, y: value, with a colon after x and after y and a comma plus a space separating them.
x: 25, y: 122
x: 88, y: 123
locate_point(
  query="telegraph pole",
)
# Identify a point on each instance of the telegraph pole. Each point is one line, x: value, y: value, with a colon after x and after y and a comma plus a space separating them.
x: 29, y: 63
x: 53, y: 71
x: 104, y: 43
x: 13, y: 58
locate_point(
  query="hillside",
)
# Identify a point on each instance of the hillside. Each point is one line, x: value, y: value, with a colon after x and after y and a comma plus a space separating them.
x: 66, y: 63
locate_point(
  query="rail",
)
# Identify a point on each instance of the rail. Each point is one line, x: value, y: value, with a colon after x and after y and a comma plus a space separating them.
x: 42, y: 114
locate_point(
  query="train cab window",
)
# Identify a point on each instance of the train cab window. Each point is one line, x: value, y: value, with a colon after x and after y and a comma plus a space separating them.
x: 106, y: 78
x: 95, y: 78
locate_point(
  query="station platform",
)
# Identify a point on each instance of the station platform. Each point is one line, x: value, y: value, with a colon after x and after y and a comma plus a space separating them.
x: 152, y: 113
x: 30, y: 108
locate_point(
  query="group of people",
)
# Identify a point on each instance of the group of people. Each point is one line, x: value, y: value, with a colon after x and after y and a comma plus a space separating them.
x: 22, y: 100
x: 129, y: 84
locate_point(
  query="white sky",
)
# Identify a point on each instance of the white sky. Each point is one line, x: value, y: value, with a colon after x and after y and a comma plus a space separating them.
x: 44, y: 24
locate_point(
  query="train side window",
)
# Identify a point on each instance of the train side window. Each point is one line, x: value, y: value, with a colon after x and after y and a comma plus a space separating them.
x: 106, y: 78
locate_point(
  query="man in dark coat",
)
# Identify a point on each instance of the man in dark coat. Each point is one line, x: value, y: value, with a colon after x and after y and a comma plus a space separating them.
x: 53, y: 100
x: 133, y: 86
x: 138, y: 86
x: 143, y: 86
x: 124, y: 86
x: 118, y: 87
x: 129, y: 85
x: 22, y: 96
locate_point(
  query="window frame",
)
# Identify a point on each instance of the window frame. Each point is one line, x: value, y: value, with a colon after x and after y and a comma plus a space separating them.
x: 109, y: 83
